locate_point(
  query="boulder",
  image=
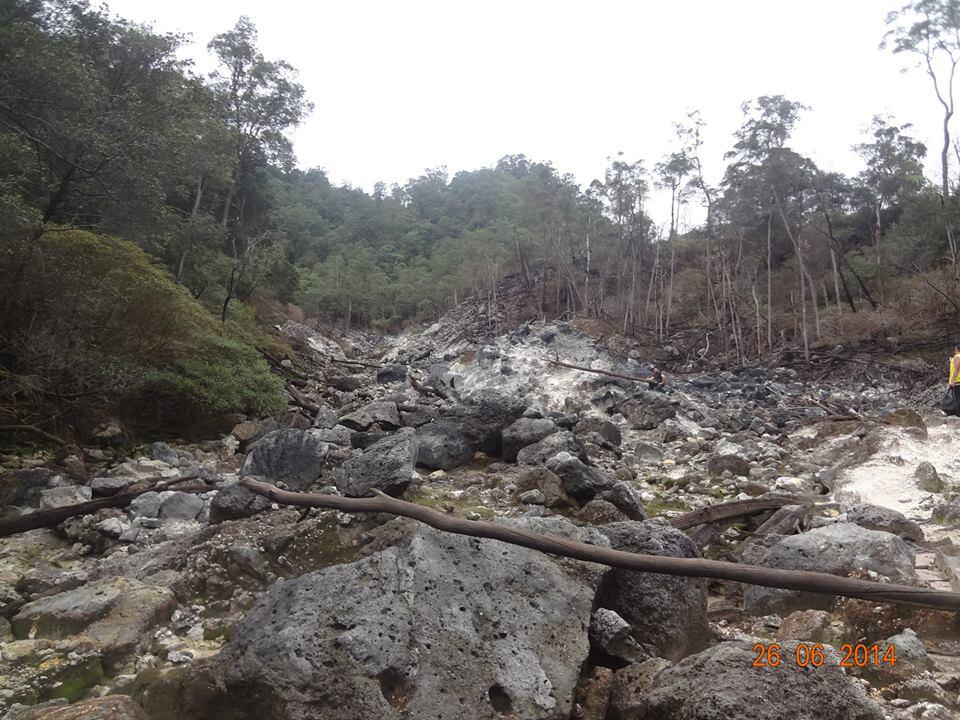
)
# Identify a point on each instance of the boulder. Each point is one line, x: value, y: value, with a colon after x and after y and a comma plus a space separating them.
x: 382, y: 412
x: 387, y: 465
x: 600, y: 512
x: 391, y: 374
x: 627, y: 499
x: 446, y: 627
x: 66, y: 495
x: 180, y: 506
x: 837, y: 549
x: 612, y: 635
x: 592, y: 425
x: 114, y: 614
x: 646, y: 410
x: 805, y: 625
x: 523, y: 432
x: 235, y: 502
x: 474, y: 427
x: 906, y: 418
x: 293, y: 457
x: 444, y: 445
x: 336, y: 435
x: 420, y: 415
x: 109, y: 707
x: 146, y: 505
x: 875, y: 517
x: 110, y: 484
x: 546, y: 483
x: 666, y: 612
x: 250, y: 430
x: 927, y: 477
x: 721, y: 683
x: 736, y: 465
x: 23, y: 487
x: 362, y: 439
x: 648, y: 451
x: 580, y: 481
x: 540, y: 452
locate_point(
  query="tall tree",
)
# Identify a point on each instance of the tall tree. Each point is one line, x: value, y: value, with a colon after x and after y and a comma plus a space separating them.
x: 259, y: 101
x: 930, y: 30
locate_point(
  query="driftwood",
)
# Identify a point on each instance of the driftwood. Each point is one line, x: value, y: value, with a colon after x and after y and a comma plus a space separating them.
x: 36, y: 431
x: 424, y: 390
x: 300, y: 401
x: 686, y: 567
x: 55, y: 516
x: 731, y: 510
x: 608, y: 373
x: 785, y: 521
x: 356, y: 362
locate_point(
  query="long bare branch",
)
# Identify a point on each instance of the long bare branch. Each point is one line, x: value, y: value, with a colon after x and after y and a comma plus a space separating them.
x: 814, y: 582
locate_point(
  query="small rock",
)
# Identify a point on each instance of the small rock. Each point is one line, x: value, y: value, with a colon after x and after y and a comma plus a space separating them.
x: 927, y: 477
x: 611, y: 634
x: 63, y: 496
x: 532, y: 497
x: 180, y: 506
x: 111, y: 484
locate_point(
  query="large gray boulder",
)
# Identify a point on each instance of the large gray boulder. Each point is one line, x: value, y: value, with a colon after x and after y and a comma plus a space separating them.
x: 540, y: 452
x: 446, y: 627
x: 294, y: 457
x: 836, y: 549
x: 592, y: 426
x: 115, y: 614
x: 666, y: 612
x: 523, y: 432
x: 387, y: 465
x: 721, y: 684
x: 876, y: 517
x: 235, y: 502
x: 580, y: 481
x: 444, y: 445
x: 382, y: 412
x: 646, y: 410
x: 476, y: 426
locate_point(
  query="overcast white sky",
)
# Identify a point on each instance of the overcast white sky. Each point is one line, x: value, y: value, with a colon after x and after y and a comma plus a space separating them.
x: 401, y: 86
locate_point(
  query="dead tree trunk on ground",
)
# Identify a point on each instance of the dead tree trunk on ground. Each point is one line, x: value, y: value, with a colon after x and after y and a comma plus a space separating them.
x: 685, y: 567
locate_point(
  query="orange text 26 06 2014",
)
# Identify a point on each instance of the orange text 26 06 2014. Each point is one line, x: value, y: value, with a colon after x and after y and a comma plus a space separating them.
x: 816, y: 654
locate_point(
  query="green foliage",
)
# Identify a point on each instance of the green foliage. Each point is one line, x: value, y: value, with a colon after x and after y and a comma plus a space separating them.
x: 92, y: 324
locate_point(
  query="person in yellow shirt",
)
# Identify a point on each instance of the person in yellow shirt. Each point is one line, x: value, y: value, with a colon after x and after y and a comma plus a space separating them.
x: 951, y: 401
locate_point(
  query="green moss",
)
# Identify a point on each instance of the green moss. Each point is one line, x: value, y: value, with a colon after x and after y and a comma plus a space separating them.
x: 137, y: 342
x: 461, y: 507
x: 75, y: 687
x: 661, y: 506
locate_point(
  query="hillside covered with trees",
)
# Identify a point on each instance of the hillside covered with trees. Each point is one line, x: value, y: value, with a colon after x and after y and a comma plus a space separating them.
x: 139, y: 197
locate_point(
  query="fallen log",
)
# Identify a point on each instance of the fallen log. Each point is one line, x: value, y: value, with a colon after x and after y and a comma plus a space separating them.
x: 608, y: 373
x: 686, y: 567
x: 785, y: 521
x: 36, y: 431
x: 356, y: 362
x: 424, y: 390
x: 300, y: 401
x: 731, y: 510
x: 55, y: 516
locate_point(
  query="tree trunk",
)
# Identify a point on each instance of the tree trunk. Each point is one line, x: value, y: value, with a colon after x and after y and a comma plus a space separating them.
x: 564, y: 547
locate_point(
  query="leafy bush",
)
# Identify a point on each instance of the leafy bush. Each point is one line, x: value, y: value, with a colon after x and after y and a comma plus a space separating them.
x: 90, y: 327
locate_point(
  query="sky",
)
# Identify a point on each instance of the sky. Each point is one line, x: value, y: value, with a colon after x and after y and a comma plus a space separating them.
x: 400, y: 86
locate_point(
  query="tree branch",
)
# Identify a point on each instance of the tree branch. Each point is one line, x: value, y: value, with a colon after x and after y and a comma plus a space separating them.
x: 815, y: 582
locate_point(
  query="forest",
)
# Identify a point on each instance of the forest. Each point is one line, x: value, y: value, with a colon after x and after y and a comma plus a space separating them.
x: 149, y: 214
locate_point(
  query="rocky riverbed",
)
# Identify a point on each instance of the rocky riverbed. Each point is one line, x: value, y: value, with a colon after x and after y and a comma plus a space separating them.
x: 204, y: 600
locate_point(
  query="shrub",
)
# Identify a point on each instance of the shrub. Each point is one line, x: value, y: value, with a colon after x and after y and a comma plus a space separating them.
x: 90, y: 327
